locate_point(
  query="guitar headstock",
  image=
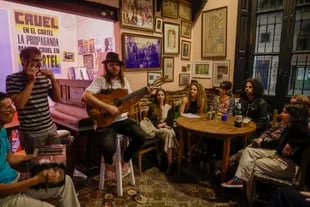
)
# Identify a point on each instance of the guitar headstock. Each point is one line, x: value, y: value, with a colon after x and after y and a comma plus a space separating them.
x: 158, y: 82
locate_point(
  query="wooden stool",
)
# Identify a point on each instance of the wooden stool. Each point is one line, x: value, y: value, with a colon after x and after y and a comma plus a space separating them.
x: 117, y: 159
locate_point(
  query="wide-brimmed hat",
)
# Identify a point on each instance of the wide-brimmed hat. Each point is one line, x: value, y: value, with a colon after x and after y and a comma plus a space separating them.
x: 112, y: 57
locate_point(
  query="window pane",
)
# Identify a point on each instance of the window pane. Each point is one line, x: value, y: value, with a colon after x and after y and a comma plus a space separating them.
x: 303, y: 1
x: 269, y: 4
x: 300, y: 75
x: 268, y: 32
x: 302, y: 29
x: 266, y: 70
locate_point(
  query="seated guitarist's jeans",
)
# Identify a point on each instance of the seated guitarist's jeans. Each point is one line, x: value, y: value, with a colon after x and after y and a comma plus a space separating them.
x: 105, y: 139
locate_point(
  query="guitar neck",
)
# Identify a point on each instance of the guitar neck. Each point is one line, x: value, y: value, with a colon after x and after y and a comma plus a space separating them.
x: 139, y: 92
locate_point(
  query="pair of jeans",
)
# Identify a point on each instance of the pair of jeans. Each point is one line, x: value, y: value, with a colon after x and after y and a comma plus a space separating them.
x: 105, y: 139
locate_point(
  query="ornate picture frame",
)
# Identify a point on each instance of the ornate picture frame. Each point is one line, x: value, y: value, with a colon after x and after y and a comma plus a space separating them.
x: 202, y: 69
x: 133, y: 14
x: 168, y: 69
x: 135, y: 44
x: 214, y: 33
x: 171, y: 38
x: 220, y: 72
x: 185, y: 50
x: 170, y: 8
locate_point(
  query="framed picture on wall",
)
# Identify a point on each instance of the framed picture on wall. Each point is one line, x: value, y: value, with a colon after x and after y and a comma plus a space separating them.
x: 184, y: 79
x: 186, y: 29
x: 134, y: 45
x: 152, y: 76
x: 158, y: 25
x: 170, y: 8
x: 214, y: 27
x: 220, y: 72
x: 202, y: 69
x: 185, y: 11
x: 132, y: 14
x: 171, y: 38
x: 168, y: 68
x: 185, y: 50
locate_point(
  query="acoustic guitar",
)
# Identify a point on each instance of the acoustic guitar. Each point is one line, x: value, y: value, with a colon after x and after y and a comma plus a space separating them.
x: 102, y: 118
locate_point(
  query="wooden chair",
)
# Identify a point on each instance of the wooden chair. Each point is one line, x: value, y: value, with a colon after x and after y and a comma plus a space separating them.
x: 298, y: 181
x: 149, y: 144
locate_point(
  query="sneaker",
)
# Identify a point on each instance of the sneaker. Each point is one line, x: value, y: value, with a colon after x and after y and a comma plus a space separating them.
x: 235, y: 182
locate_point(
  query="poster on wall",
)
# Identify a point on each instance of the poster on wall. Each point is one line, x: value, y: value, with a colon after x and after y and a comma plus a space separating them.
x: 41, y: 31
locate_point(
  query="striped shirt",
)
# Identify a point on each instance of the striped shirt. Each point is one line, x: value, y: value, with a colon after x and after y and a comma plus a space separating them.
x: 35, y: 116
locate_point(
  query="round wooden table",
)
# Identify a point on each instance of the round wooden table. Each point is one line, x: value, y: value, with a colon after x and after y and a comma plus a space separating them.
x: 214, y: 129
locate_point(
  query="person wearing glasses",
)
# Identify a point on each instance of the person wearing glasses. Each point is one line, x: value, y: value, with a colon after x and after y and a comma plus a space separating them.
x: 29, y: 89
x: 15, y: 189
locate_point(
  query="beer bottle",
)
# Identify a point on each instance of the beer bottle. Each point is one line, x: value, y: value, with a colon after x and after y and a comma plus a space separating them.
x: 238, y: 116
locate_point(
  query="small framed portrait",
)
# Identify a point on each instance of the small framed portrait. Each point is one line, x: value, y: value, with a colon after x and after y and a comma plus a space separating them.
x: 158, y: 25
x: 202, y: 69
x: 184, y: 79
x: 152, y: 76
x: 186, y: 29
x: 168, y: 68
x: 185, y: 50
x: 171, y: 38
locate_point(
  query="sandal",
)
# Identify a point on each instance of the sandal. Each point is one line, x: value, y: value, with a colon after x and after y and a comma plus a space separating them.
x: 108, y: 200
x: 136, y: 196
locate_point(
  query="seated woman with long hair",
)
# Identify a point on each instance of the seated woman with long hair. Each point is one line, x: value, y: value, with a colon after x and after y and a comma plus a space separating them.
x: 162, y: 115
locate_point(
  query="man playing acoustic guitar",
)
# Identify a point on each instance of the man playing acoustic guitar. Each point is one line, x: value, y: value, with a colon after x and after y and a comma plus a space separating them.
x: 110, y: 115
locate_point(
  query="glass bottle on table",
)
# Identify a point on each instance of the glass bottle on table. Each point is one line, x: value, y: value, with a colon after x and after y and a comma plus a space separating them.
x: 238, y: 116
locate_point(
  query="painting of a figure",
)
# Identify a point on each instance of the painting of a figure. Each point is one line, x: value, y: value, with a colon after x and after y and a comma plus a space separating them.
x: 141, y: 52
x: 138, y: 14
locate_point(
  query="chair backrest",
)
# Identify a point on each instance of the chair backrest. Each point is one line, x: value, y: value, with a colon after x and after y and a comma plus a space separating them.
x: 303, y: 168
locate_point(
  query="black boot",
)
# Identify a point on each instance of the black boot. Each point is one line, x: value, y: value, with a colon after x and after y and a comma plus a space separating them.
x: 169, y: 170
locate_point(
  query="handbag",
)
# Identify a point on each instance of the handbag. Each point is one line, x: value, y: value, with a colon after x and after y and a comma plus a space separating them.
x: 148, y: 128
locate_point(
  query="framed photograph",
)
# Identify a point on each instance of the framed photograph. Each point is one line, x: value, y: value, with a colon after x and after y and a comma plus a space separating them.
x: 168, y: 68
x: 68, y: 56
x: 214, y: 28
x: 171, y: 38
x: 170, y: 8
x: 158, y: 25
x: 152, y: 76
x: 185, y: 50
x: 220, y: 72
x: 141, y: 52
x: 88, y: 61
x: 185, y: 11
x: 202, y: 69
x: 186, y: 29
x: 134, y: 13
x: 184, y: 79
